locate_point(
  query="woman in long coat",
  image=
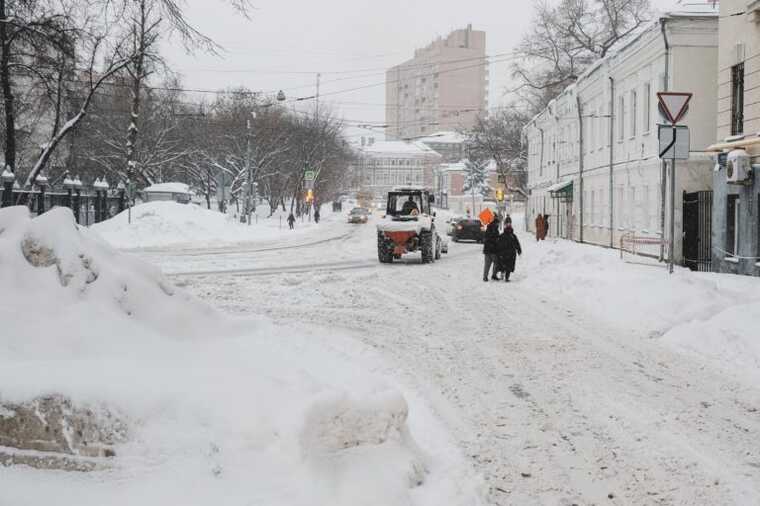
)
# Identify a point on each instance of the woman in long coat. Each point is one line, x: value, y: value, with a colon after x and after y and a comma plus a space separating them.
x: 539, y: 226
x: 509, y: 248
x: 491, y: 250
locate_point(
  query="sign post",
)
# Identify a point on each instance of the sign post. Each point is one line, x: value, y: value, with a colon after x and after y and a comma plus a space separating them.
x: 674, y: 106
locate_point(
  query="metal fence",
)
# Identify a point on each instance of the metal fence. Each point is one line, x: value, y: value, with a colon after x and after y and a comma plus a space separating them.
x: 89, y: 205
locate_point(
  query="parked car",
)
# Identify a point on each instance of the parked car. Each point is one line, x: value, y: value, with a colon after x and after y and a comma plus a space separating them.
x: 358, y: 215
x: 467, y: 230
x: 451, y: 224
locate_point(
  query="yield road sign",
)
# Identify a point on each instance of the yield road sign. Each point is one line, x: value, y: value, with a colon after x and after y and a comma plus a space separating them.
x: 674, y: 104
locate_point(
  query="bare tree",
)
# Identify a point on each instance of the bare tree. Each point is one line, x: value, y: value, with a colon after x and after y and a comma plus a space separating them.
x: 567, y: 37
x: 149, y: 20
x: 498, y: 137
x: 94, y: 79
x: 36, y: 42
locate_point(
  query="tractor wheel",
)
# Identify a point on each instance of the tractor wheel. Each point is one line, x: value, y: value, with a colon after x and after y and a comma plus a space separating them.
x: 427, y: 247
x: 384, y: 249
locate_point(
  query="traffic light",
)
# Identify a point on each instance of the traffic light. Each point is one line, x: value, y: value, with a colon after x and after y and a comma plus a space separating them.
x: 499, y: 195
x: 309, y: 195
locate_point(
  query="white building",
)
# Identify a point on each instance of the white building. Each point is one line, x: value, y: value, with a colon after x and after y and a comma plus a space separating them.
x: 595, y: 170
x: 452, y: 146
x: 383, y: 165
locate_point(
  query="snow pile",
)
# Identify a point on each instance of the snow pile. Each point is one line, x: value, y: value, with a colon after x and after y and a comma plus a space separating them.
x: 215, y: 411
x: 713, y: 315
x: 160, y: 224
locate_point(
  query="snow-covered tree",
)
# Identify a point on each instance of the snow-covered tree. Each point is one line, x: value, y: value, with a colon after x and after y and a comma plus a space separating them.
x: 476, y: 178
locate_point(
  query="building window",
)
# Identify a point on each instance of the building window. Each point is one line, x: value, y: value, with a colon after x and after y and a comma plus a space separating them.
x: 732, y: 225
x: 621, y: 118
x: 737, y: 99
x: 647, y: 119
x: 634, y: 113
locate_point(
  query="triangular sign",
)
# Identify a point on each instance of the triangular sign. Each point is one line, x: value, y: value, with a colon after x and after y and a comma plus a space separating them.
x: 674, y: 104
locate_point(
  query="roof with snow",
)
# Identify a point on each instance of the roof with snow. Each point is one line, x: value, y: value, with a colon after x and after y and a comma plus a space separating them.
x: 461, y: 166
x: 168, y: 188
x: 403, y: 148
x: 445, y: 137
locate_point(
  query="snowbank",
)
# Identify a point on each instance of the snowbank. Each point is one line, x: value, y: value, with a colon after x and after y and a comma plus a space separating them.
x: 215, y: 411
x: 161, y: 224
x: 716, y: 316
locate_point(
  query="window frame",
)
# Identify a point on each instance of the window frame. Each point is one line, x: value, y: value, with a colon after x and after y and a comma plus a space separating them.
x: 621, y: 118
x: 737, y: 99
x: 647, y: 110
x: 733, y: 210
x: 634, y: 114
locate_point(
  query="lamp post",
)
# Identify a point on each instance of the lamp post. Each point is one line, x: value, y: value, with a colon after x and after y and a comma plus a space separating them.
x: 41, y: 182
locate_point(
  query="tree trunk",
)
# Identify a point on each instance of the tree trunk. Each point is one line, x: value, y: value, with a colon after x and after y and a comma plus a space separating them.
x: 9, y: 101
x: 137, y: 78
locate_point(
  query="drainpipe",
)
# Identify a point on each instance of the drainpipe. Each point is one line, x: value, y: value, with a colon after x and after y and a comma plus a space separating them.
x: 612, y: 161
x: 664, y: 166
x: 541, y: 166
x: 580, y: 161
x: 556, y: 163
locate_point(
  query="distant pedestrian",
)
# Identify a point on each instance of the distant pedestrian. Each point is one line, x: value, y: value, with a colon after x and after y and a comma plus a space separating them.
x: 316, y: 215
x: 546, y: 227
x: 291, y: 221
x: 508, y: 249
x: 490, y: 250
x: 539, y: 227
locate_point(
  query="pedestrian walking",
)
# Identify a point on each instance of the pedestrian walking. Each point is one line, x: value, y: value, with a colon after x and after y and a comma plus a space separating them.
x: 490, y: 250
x: 539, y: 227
x: 291, y: 221
x: 546, y: 227
x: 316, y: 215
x: 508, y: 249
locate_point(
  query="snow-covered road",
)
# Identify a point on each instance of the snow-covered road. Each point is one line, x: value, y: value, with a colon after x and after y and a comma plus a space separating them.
x: 553, y: 402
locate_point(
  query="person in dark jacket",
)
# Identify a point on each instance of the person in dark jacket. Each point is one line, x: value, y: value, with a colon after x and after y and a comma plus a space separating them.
x: 316, y: 215
x: 491, y: 249
x: 291, y: 221
x: 508, y: 249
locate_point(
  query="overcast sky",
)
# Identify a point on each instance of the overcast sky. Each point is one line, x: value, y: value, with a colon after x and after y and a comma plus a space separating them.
x: 350, y: 42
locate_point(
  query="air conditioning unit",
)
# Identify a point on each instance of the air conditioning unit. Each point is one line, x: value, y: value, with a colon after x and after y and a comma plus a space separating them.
x: 738, y: 166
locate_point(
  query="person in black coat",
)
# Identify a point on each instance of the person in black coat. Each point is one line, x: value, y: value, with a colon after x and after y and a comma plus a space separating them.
x: 508, y: 249
x: 491, y: 249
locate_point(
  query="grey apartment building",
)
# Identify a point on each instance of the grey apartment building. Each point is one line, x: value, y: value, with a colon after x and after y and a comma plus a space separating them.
x: 444, y: 87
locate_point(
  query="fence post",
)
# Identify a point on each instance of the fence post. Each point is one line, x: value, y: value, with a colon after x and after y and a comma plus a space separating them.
x: 122, y: 193
x: 8, y: 179
x: 42, y: 183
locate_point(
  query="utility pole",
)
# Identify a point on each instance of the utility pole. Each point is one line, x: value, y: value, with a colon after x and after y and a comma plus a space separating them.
x: 248, y: 170
x: 319, y: 77
x: 673, y: 206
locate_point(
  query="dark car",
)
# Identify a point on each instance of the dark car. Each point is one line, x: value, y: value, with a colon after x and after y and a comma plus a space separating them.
x: 467, y: 230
